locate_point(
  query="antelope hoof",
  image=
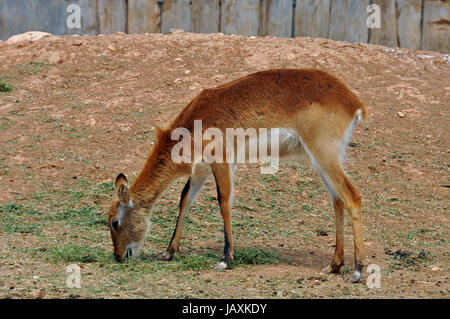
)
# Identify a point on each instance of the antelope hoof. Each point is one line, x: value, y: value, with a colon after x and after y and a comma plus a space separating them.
x: 167, y: 256
x: 355, y: 277
x: 331, y: 269
x: 220, y: 266
x: 326, y: 270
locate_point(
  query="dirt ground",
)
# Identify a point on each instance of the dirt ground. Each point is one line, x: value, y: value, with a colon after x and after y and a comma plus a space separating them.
x: 75, y: 111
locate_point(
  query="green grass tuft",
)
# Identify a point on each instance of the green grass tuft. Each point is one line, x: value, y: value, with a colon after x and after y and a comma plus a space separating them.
x: 254, y: 256
x: 5, y: 87
x: 78, y: 253
x: 86, y: 216
x: 195, y: 262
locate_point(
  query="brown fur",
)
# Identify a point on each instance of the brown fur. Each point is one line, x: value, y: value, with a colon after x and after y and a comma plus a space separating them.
x: 318, y: 106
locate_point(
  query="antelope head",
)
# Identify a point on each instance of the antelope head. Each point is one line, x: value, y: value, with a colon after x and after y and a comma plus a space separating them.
x: 127, y: 222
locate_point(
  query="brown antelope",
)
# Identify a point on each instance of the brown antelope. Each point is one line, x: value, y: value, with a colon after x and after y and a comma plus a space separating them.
x: 315, y: 113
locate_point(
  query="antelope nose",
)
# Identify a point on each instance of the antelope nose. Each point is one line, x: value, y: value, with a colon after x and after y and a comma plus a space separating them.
x: 118, y: 259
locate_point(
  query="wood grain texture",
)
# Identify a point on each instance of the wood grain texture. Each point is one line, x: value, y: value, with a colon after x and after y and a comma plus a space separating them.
x: 240, y: 17
x: 176, y: 14
x: 14, y: 17
x: 144, y: 16
x: 436, y: 26
x: 277, y: 18
x: 413, y: 24
x: 312, y: 18
x: 409, y: 16
x: 19, y: 16
x: 387, y: 34
x: 49, y: 16
x: 205, y: 16
x: 348, y: 20
x: 111, y: 16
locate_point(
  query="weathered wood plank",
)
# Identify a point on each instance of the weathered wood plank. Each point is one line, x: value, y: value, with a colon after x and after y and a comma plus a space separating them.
x: 277, y: 18
x: 176, y: 14
x: 205, y: 16
x: 48, y: 16
x: 436, y: 26
x: 89, y: 21
x: 15, y: 17
x: 312, y: 18
x: 144, y: 16
x: 112, y: 16
x: 409, y: 15
x: 387, y: 34
x: 348, y: 20
x: 18, y: 16
x: 240, y: 17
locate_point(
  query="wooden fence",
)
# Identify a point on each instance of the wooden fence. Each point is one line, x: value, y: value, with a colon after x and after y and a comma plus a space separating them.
x: 414, y: 24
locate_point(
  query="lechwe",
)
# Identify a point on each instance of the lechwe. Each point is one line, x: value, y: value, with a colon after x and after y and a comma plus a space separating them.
x: 314, y: 113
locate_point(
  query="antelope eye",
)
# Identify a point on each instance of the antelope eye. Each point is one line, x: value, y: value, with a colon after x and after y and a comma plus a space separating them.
x: 115, y: 225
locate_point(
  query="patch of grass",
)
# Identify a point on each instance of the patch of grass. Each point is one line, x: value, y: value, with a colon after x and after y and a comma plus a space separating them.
x: 405, y: 259
x: 5, y: 87
x: 16, y: 219
x: 196, y: 262
x: 32, y: 67
x: 245, y: 256
x: 98, y: 190
x: 85, y: 216
x: 78, y: 253
x: 11, y: 225
x: 10, y: 208
x: 18, y: 210
x: 79, y: 106
x: 346, y: 270
x: 254, y: 256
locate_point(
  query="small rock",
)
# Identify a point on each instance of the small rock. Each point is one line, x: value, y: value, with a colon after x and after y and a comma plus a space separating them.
x: 322, y: 233
x: 280, y: 293
x: 435, y: 268
x: 28, y: 36
x: 401, y: 114
x: 55, y: 57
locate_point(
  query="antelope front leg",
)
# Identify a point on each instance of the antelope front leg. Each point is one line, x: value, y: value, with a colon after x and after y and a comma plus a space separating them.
x: 175, y: 241
x: 188, y: 195
x: 223, y: 175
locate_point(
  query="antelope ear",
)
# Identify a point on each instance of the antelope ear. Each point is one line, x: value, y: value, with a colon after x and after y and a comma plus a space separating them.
x: 121, y: 185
